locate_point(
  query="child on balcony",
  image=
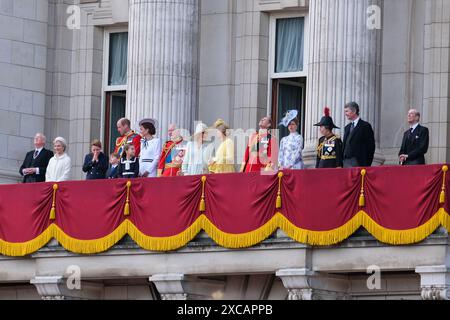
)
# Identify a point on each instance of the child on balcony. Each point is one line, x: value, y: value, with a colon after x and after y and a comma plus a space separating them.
x: 129, y: 164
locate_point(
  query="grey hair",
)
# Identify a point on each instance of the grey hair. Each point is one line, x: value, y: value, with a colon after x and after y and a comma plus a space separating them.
x: 417, y: 112
x: 352, y: 106
x: 62, y: 141
x: 42, y: 136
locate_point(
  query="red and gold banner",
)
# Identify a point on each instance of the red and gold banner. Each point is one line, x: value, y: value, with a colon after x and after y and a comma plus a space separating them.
x: 397, y: 205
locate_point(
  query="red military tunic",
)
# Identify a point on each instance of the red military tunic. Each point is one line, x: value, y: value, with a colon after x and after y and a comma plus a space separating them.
x: 131, y: 137
x: 258, y: 154
x: 171, y: 159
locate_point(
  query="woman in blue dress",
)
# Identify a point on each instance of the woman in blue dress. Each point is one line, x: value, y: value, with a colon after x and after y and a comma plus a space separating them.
x: 291, y: 147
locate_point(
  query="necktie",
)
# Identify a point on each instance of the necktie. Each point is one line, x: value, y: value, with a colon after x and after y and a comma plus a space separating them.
x: 352, y: 127
x: 36, y: 153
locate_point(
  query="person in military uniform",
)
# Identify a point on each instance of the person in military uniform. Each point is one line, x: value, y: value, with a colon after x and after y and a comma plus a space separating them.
x: 258, y: 154
x: 172, y: 154
x: 127, y: 136
x: 329, y: 150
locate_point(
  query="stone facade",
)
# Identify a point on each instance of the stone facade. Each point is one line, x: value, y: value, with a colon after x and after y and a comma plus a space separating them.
x: 360, y: 268
x: 216, y: 62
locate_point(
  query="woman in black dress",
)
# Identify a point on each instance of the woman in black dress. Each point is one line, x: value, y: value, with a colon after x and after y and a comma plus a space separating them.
x: 330, y: 147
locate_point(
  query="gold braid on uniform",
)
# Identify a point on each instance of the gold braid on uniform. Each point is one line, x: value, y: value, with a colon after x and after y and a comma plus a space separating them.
x: 320, y: 149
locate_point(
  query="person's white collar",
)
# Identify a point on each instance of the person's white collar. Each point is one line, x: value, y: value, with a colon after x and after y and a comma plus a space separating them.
x: 39, y: 149
x: 355, y: 122
x: 60, y: 156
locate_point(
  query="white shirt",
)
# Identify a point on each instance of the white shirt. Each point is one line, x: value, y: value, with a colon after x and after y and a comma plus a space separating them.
x: 414, y: 127
x: 149, y: 157
x: 38, y: 152
x: 58, y: 169
x: 355, y: 123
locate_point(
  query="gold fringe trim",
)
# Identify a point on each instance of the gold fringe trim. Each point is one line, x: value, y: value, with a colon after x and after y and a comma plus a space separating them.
x: 91, y: 246
x: 25, y: 248
x: 166, y: 243
x: 244, y: 240
x: 227, y: 240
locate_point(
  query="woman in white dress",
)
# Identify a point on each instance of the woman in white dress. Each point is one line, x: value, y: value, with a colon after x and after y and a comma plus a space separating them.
x: 198, y: 152
x: 58, y: 169
x: 150, y: 149
x: 291, y: 147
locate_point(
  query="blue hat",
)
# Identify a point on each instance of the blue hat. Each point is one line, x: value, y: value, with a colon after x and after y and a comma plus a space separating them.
x: 290, y: 115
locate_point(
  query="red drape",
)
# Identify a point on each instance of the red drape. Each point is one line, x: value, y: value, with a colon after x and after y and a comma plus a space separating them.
x: 315, y: 206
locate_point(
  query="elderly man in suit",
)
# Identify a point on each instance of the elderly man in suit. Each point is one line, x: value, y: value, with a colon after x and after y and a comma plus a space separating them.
x: 359, y: 139
x: 415, y: 141
x: 35, y: 164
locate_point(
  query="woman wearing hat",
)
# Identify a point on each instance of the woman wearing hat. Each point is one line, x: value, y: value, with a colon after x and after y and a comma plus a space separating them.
x: 329, y: 150
x: 58, y: 168
x: 150, y: 149
x: 291, y: 147
x: 223, y: 162
x: 198, y: 151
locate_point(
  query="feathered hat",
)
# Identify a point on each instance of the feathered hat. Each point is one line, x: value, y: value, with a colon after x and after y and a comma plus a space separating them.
x: 327, y: 121
x: 290, y: 115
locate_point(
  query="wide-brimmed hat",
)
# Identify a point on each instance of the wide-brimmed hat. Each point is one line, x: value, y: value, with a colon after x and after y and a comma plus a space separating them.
x: 149, y: 120
x: 200, y: 128
x: 326, y: 120
x: 290, y: 115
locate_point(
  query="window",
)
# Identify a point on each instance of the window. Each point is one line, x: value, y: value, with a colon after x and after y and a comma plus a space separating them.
x: 289, y: 45
x: 118, y: 57
x: 114, y: 84
x: 114, y: 110
x: 287, y: 68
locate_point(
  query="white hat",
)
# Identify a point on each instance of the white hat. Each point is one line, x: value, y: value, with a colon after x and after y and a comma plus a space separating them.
x: 149, y: 120
x: 62, y: 140
x: 200, y: 128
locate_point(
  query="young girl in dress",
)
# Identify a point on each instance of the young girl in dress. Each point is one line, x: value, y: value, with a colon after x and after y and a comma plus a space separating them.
x: 129, y: 164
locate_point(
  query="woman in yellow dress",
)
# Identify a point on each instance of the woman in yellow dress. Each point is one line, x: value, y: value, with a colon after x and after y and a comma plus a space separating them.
x: 223, y: 162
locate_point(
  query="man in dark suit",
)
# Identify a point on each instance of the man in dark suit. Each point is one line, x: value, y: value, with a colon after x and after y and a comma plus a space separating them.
x: 35, y: 164
x: 415, y: 141
x: 359, y: 139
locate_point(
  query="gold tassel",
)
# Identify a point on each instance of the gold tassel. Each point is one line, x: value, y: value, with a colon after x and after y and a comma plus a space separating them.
x: 362, y: 200
x: 442, y: 195
x: 279, y: 204
x: 53, y: 210
x: 126, y: 210
x: 362, y: 197
x: 202, y: 207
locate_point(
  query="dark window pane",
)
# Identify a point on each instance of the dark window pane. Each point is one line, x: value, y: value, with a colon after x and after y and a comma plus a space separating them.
x: 118, y: 56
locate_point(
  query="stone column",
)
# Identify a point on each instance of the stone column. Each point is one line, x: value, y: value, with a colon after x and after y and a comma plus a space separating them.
x: 436, y: 93
x: 163, y: 62
x: 304, y: 284
x: 434, y: 282
x: 344, y: 65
